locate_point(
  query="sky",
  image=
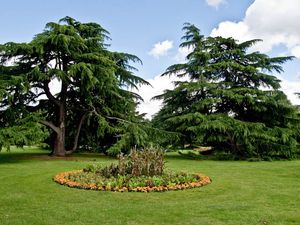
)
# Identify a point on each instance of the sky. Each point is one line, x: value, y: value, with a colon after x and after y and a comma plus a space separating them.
x: 152, y: 31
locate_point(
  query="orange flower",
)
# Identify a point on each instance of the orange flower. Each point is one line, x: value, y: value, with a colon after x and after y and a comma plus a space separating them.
x: 61, y: 179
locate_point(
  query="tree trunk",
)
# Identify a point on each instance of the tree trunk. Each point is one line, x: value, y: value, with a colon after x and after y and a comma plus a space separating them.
x: 59, y: 144
x: 59, y: 141
x: 60, y: 102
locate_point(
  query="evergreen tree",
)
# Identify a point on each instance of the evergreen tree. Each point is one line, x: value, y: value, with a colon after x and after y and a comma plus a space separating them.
x: 223, y: 104
x: 93, y: 82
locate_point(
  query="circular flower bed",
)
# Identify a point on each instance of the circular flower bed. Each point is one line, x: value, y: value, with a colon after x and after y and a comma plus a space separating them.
x: 140, y: 171
x: 124, y: 183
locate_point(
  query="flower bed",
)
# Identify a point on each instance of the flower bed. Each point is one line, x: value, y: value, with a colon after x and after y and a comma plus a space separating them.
x: 125, y: 183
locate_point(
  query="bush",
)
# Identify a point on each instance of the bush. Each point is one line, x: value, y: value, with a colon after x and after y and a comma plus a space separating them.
x: 146, y: 162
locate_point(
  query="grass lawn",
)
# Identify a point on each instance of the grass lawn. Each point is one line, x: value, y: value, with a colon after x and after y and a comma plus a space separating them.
x: 241, y: 193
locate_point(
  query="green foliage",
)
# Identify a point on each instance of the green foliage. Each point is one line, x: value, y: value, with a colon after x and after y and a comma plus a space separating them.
x: 24, y: 131
x: 223, y: 104
x: 130, y: 182
x: 94, y: 84
x: 139, y: 134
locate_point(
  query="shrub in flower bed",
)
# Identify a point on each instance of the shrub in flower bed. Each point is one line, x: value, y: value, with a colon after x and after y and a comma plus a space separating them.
x: 141, y: 171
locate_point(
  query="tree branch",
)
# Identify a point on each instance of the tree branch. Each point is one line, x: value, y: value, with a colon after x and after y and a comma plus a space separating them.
x: 51, y: 125
x: 75, y: 145
x: 49, y: 95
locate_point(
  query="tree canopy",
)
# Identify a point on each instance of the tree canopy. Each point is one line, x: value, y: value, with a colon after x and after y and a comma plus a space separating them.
x: 231, y: 100
x: 94, y: 84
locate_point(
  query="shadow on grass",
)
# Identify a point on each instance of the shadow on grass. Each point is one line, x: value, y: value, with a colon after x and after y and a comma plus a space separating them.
x: 23, y: 155
x: 16, y: 157
x: 176, y: 156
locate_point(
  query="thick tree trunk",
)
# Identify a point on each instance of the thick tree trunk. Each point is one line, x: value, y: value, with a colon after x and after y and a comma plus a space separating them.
x: 60, y: 102
x: 59, y: 144
x: 59, y: 141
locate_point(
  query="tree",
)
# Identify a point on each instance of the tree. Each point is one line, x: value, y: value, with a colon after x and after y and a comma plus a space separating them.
x: 23, y: 131
x: 93, y: 81
x: 223, y: 104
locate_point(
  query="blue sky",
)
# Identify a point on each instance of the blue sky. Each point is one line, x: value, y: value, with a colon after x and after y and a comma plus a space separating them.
x: 137, y: 26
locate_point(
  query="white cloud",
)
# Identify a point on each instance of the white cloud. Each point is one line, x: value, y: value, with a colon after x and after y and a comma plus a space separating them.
x: 296, y: 51
x: 159, y: 84
x: 161, y: 48
x: 274, y: 21
x: 182, y: 53
x: 215, y: 3
x: 239, y: 30
x: 290, y: 88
